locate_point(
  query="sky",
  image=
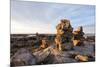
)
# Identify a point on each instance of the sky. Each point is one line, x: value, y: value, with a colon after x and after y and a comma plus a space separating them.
x: 43, y: 17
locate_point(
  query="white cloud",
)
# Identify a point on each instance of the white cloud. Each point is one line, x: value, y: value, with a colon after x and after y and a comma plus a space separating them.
x: 18, y: 27
x: 28, y: 17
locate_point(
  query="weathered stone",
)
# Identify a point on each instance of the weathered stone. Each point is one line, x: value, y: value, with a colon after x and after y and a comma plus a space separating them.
x: 64, y: 33
x: 58, y: 42
x: 23, y: 57
x: 42, y: 54
x: 64, y: 27
x: 45, y: 43
x: 78, y: 36
x: 88, y: 49
x: 81, y: 58
x: 67, y: 46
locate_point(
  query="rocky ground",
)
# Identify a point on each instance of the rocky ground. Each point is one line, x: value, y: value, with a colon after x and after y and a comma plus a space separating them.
x: 24, y: 51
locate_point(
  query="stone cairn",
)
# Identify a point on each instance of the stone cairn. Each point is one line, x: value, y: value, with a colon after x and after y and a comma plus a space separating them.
x: 78, y: 36
x: 44, y: 43
x: 64, y: 33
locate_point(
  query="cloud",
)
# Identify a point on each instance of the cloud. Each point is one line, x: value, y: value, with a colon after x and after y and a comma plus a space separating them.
x: 31, y: 17
x: 18, y: 27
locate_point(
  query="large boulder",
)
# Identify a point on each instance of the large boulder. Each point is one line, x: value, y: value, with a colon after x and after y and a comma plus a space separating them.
x: 23, y: 57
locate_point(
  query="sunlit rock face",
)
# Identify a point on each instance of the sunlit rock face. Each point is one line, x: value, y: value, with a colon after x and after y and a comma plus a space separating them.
x: 78, y: 36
